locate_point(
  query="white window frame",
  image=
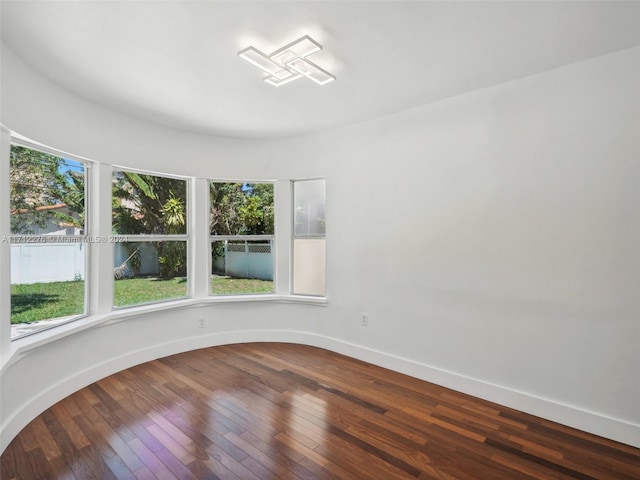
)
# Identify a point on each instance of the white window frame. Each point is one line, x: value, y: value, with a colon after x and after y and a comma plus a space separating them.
x: 222, y: 238
x: 130, y: 238
x: 20, y: 141
x: 295, y: 237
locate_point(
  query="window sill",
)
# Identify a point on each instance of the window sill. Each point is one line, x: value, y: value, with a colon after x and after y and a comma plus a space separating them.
x: 268, y: 297
x: 23, y: 345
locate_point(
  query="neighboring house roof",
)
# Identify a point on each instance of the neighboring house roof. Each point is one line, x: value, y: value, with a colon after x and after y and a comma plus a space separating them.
x: 43, y: 208
x: 49, y: 208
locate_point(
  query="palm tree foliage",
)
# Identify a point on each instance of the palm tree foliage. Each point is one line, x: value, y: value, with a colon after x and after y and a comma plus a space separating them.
x: 153, y: 205
x: 148, y: 204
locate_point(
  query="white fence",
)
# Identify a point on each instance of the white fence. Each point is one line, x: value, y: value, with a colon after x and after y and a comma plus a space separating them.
x: 60, y: 262
x: 148, y: 256
x: 42, y: 263
x: 244, y: 259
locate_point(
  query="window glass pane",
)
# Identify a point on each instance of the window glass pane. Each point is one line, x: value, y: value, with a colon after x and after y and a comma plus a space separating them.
x: 36, y: 306
x: 148, y: 204
x: 48, y: 259
x: 309, y: 266
x: 241, y: 208
x: 149, y: 272
x: 241, y: 267
x: 46, y: 193
x: 309, y: 208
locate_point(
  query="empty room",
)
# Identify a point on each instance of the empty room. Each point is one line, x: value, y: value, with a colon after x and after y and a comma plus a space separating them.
x: 319, y: 240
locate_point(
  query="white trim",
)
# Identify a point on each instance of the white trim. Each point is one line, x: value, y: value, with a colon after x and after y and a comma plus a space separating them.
x: 221, y: 238
x: 126, y: 238
x: 23, y: 238
x: 235, y: 180
x: 16, y: 239
x: 101, y: 256
x: 282, y: 227
x: 19, y: 140
x: 23, y: 344
x: 118, y: 168
x: 88, y: 221
x: 198, y: 248
x: 5, y: 247
x: 49, y: 323
x: 613, y: 428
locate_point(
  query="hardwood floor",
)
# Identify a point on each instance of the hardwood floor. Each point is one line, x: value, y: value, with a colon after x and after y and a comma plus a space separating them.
x: 281, y: 411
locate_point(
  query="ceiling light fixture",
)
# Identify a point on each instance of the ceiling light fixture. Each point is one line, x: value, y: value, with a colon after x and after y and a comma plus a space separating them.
x: 289, y: 63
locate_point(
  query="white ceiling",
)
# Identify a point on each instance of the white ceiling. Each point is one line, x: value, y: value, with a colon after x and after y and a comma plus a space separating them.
x: 175, y: 63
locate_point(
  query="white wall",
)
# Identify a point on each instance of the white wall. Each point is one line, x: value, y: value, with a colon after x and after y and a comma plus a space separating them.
x: 497, y: 234
x: 492, y: 238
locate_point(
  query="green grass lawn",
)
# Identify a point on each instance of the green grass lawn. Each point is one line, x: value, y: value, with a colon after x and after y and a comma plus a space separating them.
x: 41, y: 301
x: 131, y: 291
x: 239, y: 286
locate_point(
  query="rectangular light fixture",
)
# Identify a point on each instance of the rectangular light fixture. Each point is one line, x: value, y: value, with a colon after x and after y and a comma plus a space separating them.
x: 289, y: 63
x: 263, y: 62
x: 276, y: 82
x: 311, y: 71
x: 302, y: 47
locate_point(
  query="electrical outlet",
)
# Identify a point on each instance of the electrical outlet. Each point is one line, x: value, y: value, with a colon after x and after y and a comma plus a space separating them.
x: 201, y: 323
x: 365, y: 319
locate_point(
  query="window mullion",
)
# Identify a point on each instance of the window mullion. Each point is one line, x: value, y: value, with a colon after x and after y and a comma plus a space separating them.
x: 5, y: 247
x: 101, y: 253
x: 120, y: 238
x: 199, y: 248
x: 282, y: 200
x: 221, y: 238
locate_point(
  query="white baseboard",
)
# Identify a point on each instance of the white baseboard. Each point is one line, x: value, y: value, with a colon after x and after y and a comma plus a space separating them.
x: 591, y: 422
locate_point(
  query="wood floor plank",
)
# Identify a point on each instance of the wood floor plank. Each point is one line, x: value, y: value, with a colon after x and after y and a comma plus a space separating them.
x: 175, y: 465
x: 178, y: 451
x: 119, y: 446
x: 21, y: 463
x: 151, y: 462
x: 69, y: 452
x: 78, y: 438
x: 96, y: 463
x: 282, y: 411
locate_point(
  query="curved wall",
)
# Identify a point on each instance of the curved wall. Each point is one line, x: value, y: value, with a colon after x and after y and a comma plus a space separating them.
x: 492, y: 239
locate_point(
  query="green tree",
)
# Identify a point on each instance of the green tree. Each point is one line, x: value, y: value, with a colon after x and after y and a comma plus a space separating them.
x: 226, y: 201
x: 39, y: 180
x: 258, y: 212
x: 241, y: 209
